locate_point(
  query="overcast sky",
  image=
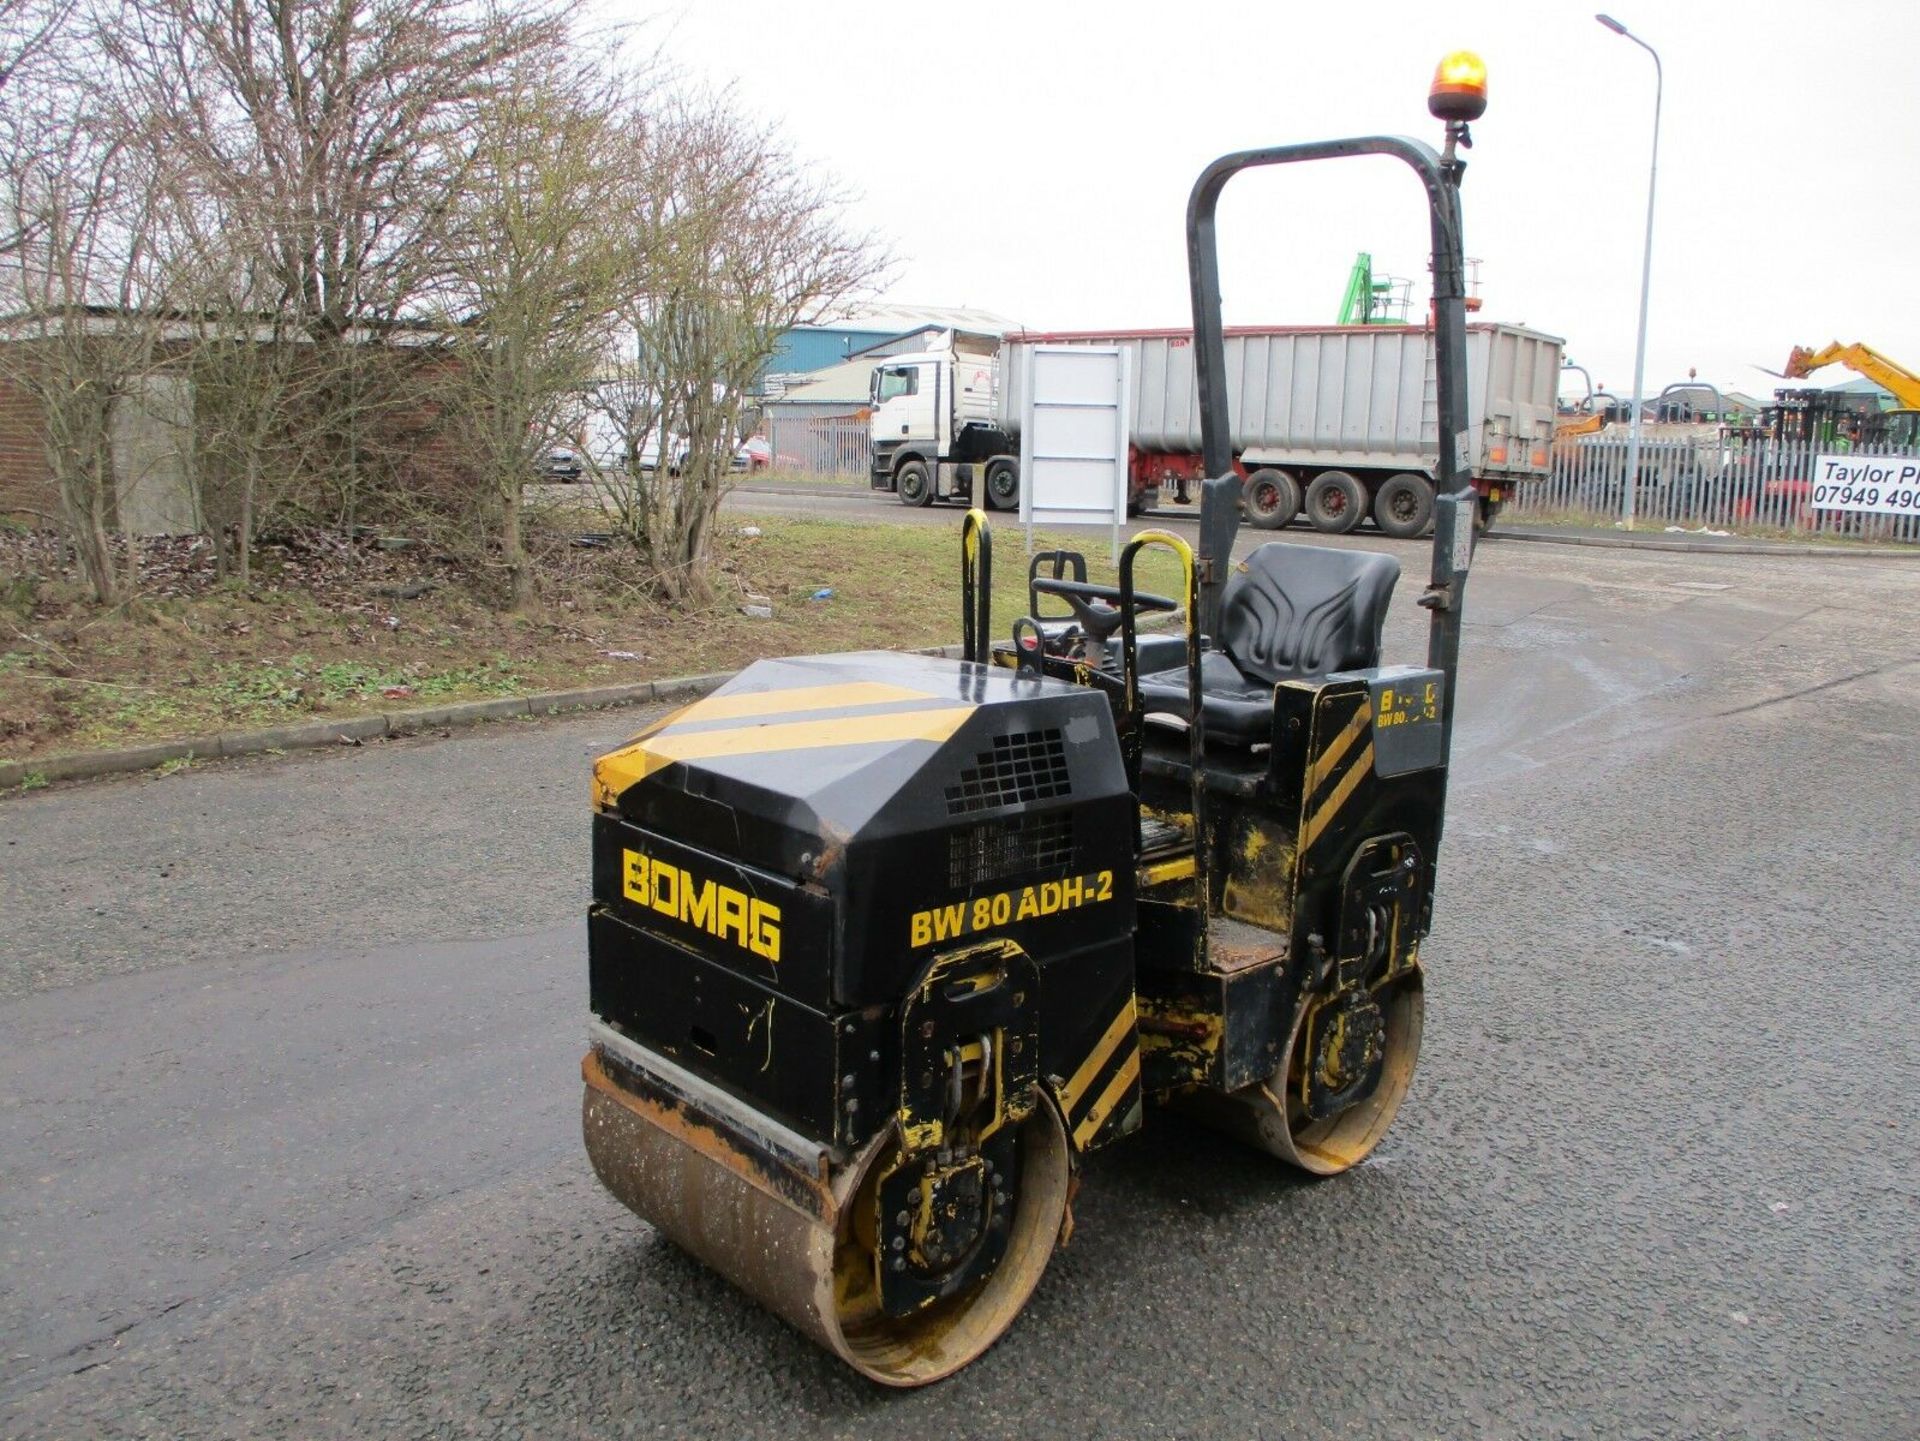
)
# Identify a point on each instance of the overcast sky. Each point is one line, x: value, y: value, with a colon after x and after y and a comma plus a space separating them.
x: 1034, y: 158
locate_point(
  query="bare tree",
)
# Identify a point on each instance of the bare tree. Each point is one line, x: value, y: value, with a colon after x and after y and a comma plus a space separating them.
x: 342, y: 129
x: 29, y: 30
x: 82, y: 283
x: 282, y: 186
x: 732, y: 242
x: 532, y: 262
x: 255, y: 391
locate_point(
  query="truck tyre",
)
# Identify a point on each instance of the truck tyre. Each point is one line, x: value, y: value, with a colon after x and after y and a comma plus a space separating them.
x: 1335, y: 502
x: 1003, y: 485
x: 1403, y: 506
x: 1272, y: 499
x: 1485, y: 512
x: 914, y: 483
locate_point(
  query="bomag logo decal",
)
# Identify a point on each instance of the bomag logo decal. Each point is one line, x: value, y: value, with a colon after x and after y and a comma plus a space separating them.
x: 1004, y: 908
x: 705, y: 904
x: 1407, y: 707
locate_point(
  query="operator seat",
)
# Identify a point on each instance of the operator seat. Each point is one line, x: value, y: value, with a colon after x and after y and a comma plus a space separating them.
x: 1289, y: 612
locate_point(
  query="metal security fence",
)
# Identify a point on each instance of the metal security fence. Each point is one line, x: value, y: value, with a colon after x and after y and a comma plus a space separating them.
x: 825, y: 444
x: 1708, y: 482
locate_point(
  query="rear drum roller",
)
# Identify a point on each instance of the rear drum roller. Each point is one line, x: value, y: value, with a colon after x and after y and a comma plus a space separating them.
x: 1339, y: 1044
x: 806, y: 1251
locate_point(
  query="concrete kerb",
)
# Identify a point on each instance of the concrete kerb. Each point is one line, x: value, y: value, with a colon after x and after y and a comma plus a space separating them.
x: 355, y: 730
x: 1682, y: 545
x: 823, y: 491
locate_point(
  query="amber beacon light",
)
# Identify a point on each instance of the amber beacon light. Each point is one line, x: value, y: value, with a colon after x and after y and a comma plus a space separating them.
x: 1459, y: 91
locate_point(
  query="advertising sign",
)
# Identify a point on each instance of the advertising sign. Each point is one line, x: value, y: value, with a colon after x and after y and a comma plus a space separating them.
x: 1879, y: 484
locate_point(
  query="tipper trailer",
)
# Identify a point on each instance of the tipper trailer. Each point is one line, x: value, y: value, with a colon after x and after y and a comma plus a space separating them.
x: 1338, y: 422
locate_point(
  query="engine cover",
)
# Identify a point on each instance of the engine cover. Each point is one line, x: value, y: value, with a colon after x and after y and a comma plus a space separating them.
x: 775, y: 864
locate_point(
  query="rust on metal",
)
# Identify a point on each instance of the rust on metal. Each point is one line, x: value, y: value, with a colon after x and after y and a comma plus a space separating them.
x: 1270, y: 1114
x: 720, y: 1145
x: 804, y: 1246
x: 1234, y: 946
x: 1182, y: 1041
x: 1258, y: 887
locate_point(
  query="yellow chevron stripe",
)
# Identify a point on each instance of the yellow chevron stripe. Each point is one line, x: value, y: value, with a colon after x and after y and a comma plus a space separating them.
x: 1325, y: 763
x: 1329, y: 808
x: 1122, y: 1025
x: 1155, y: 873
x: 615, y: 772
x: 605, y: 797
x: 1128, y: 1073
x: 796, y: 700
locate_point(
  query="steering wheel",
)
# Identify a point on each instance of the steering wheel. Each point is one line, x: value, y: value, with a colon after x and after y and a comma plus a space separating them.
x: 1099, y: 621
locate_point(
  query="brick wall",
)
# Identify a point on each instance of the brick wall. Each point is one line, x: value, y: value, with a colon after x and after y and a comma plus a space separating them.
x: 418, y: 461
x: 25, y: 485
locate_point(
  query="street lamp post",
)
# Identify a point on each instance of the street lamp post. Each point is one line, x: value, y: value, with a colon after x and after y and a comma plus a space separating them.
x: 1646, y: 276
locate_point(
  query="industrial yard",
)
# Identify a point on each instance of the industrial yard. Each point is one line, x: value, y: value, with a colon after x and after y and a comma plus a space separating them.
x: 731, y: 722
x: 1654, y: 1175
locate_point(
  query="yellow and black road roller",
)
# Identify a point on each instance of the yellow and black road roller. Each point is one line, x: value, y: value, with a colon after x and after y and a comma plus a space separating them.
x: 883, y: 946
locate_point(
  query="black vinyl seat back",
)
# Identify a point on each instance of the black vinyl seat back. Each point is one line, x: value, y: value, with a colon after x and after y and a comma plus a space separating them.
x: 1294, y: 612
x: 1290, y: 612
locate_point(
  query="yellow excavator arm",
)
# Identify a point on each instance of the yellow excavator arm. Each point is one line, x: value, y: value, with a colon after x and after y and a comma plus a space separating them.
x: 1903, y: 383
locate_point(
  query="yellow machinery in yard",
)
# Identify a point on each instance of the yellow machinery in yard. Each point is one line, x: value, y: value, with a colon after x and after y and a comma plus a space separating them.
x: 1896, y: 379
x: 1899, y: 426
x: 881, y: 946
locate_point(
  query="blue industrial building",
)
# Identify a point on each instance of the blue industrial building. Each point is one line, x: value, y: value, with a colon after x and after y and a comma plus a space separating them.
x: 808, y: 348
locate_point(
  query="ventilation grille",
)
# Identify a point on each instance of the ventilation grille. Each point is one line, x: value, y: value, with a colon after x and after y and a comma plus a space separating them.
x: 1019, y: 845
x: 1024, y: 766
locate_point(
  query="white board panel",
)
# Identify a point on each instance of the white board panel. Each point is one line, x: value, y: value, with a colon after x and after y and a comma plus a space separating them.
x: 1080, y: 433
x: 1073, y: 437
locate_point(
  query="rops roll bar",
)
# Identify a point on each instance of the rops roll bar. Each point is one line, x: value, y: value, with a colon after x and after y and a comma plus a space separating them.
x: 976, y: 586
x: 1454, y: 499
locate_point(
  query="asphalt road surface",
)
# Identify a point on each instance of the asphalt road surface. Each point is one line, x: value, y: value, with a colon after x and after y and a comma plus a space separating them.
x: 288, y: 1090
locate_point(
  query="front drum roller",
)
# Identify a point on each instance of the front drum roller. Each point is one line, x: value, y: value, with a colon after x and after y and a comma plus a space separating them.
x: 803, y: 1246
x: 1275, y: 1116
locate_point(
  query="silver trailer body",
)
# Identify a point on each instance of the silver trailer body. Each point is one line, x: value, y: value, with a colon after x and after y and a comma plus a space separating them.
x: 1357, y: 398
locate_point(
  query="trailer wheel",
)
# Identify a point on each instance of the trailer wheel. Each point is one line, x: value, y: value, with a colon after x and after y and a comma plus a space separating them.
x: 1485, y: 512
x: 1272, y: 499
x: 1335, y: 502
x: 1403, y: 506
x: 1003, y: 485
x: 914, y: 483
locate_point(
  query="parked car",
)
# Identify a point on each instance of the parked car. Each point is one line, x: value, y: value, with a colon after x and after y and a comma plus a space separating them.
x: 561, y: 463
x: 754, y: 454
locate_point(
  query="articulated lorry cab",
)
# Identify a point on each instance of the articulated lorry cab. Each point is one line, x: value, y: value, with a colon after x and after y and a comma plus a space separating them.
x: 938, y: 428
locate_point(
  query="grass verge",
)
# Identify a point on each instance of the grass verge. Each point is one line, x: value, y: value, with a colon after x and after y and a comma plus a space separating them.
x: 75, y: 677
